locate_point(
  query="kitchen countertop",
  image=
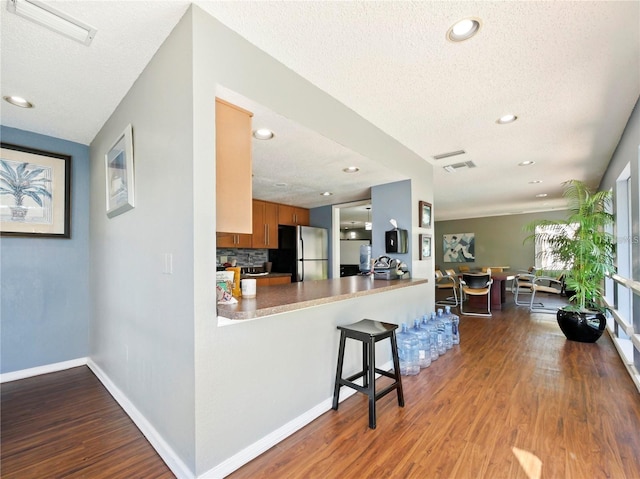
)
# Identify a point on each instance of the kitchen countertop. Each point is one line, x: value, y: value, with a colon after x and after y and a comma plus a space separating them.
x: 290, y: 297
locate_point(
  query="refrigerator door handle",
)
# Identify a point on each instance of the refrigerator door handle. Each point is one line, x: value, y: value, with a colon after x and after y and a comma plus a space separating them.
x: 302, y: 259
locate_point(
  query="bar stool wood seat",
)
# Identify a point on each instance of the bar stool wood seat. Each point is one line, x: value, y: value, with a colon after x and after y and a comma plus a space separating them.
x: 369, y: 332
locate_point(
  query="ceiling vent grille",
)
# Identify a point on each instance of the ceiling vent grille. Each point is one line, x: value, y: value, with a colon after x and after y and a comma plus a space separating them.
x: 449, y: 155
x: 459, y: 166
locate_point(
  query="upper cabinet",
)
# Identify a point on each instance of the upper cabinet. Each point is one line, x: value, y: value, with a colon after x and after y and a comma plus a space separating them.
x: 265, y: 224
x: 233, y: 168
x: 293, y: 216
x: 233, y: 240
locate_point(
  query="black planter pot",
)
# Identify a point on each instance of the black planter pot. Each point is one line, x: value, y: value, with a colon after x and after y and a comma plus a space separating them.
x: 582, y: 326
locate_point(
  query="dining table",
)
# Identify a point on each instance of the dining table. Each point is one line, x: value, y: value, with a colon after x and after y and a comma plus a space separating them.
x: 499, y: 288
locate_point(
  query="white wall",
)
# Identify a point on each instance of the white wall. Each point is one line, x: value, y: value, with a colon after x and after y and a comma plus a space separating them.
x: 142, y: 331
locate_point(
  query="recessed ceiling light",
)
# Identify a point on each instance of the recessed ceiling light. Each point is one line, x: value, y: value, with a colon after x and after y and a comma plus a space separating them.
x: 280, y: 185
x: 526, y: 163
x: 326, y: 193
x: 463, y: 30
x: 351, y: 169
x: 541, y: 195
x: 263, y: 134
x: 18, y: 101
x: 535, y: 182
x: 503, y: 120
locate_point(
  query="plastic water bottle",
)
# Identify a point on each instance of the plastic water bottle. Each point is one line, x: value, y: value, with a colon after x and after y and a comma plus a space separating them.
x: 448, y: 328
x: 439, y: 329
x: 455, y: 325
x: 438, y: 321
x: 433, y: 336
x: 408, y: 351
x: 365, y: 258
x: 424, y: 352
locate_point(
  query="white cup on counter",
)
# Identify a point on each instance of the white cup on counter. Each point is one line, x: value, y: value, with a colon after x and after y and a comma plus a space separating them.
x: 248, y: 288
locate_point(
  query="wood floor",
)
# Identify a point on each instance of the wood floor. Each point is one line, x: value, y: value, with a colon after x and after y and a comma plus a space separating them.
x: 514, y: 400
x: 66, y: 424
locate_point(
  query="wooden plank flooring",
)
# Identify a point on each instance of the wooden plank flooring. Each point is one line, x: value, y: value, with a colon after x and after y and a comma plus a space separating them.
x: 66, y: 424
x: 514, y: 400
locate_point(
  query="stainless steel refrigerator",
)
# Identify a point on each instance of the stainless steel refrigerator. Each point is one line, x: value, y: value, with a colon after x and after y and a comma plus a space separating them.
x: 302, y: 251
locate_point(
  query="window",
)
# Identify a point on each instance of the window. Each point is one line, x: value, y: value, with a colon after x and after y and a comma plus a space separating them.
x: 545, y: 259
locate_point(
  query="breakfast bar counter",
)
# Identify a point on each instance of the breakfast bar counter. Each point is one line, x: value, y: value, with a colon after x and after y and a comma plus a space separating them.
x: 294, y: 296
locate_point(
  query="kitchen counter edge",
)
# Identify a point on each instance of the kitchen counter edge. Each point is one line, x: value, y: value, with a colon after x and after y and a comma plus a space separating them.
x: 290, y: 297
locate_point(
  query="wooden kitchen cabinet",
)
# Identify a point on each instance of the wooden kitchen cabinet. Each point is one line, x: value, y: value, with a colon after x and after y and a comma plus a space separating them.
x: 292, y: 215
x: 233, y: 240
x: 272, y: 281
x: 233, y: 168
x: 279, y: 280
x: 265, y: 225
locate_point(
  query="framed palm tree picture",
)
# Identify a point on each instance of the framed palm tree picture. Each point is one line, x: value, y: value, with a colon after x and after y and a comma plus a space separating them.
x: 35, y: 192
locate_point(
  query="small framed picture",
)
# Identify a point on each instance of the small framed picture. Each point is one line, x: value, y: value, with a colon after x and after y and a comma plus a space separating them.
x: 425, y: 215
x: 120, y: 175
x: 35, y: 193
x: 425, y: 246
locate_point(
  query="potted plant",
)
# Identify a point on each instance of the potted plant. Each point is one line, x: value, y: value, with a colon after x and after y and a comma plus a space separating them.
x: 22, y: 183
x: 584, y: 248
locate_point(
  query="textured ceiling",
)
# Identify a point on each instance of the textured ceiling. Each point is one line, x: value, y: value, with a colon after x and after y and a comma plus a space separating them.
x: 569, y: 70
x: 76, y: 88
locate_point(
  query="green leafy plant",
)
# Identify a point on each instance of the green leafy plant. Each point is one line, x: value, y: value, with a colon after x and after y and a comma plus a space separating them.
x: 580, y: 242
x: 22, y: 182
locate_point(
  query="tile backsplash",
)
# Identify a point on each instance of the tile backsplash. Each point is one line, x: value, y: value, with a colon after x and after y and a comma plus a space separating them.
x: 243, y: 257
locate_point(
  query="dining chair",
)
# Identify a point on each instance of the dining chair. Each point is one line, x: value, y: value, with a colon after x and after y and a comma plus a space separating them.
x: 545, y: 284
x: 447, y: 282
x: 464, y: 269
x: 522, y: 284
x: 476, y: 284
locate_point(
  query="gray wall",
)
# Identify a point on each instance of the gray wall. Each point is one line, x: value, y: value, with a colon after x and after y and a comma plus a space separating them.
x: 155, y: 335
x: 236, y: 402
x: 499, y: 239
x: 142, y: 331
x: 45, y: 304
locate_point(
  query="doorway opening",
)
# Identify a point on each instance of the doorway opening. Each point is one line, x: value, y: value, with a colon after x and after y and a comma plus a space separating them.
x: 352, y: 226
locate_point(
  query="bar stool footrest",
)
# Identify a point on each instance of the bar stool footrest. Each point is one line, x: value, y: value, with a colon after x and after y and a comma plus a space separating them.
x: 357, y: 387
x: 387, y: 390
x: 386, y: 373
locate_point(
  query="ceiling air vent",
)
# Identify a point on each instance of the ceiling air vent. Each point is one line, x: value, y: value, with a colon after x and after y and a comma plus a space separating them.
x: 459, y: 166
x: 449, y: 155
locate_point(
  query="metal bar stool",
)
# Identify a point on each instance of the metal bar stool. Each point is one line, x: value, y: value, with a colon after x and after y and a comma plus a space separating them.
x: 369, y: 333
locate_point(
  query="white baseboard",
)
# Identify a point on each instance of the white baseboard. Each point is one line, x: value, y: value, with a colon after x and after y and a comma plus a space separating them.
x: 249, y: 453
x: 46, y: 369
x: 171, y: 459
